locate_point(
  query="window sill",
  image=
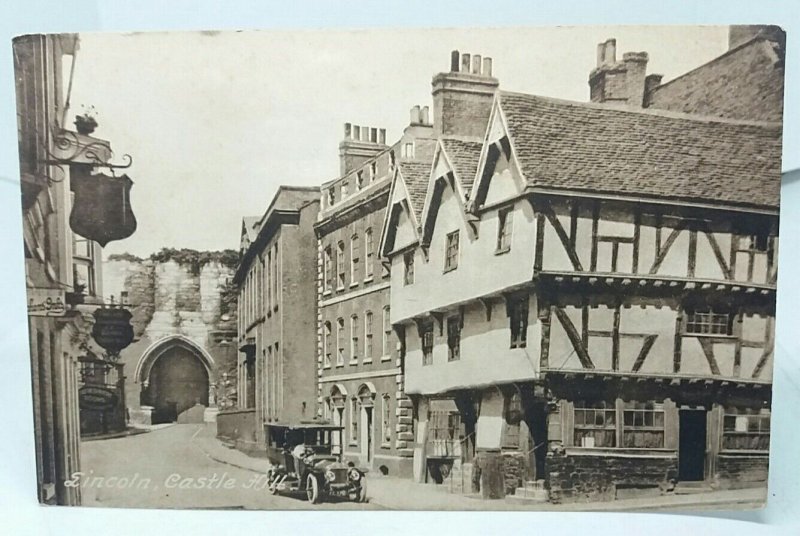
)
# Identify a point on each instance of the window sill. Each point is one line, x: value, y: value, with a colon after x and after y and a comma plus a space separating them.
x: 354, y: 285
x: 386, y: 358
x: 326, y: 293
x: 386, y: 445
x: 450, y: 269
x: 709, y: 335
x: 326, y: 367
x: 339, y: 365
x: 353, y: 362
x: 743, y: 452
x: 367, y: 361
x: 621, y: 452
x: 502, y: 251
x: 368, y: 279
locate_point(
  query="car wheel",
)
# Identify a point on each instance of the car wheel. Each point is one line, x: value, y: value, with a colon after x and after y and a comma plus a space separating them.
x: 312, y: 489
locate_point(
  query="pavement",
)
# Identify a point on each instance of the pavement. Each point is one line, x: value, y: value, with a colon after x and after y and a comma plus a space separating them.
x: 404, y: 494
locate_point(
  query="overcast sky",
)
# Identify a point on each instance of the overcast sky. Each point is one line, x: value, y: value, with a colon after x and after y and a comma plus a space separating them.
x: 216, y: 121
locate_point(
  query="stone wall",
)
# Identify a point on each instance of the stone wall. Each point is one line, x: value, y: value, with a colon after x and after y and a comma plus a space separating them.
x: 173, y: 301
x: 586, y: 478
x: 735, y: 471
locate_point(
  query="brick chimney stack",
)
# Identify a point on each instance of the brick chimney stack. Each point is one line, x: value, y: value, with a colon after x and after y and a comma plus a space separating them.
x: 620, y: 82
x: 462, y: 97
x: 360, y: 143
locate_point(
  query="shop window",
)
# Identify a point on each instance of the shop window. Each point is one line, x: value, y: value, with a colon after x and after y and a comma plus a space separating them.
x: 427, y: 343
x: 643, y: 425
x: 518, y: 319
x: 451, y: 251
x: 454, y: 338
x: 745, y: 429
x: 708, y: 322
x: 595, y: 424
x: 444, y: 430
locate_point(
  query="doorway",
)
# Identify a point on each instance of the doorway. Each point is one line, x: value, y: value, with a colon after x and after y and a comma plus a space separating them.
x: 178, y: 383
x: 692, y: 445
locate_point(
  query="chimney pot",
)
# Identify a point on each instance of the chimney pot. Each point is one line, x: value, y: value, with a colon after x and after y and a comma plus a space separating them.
x: 382, y: 136
x: 425, y: 117
x: 601, y: 53
x: 356, y: 132
x: 373, y: 135
x: 415, y: 115
x: 610, y: 52
x: 487, y: 66
x: 454, y: 61
x: 476, y: 64
x: 465, y: 63
x: 348, y: 131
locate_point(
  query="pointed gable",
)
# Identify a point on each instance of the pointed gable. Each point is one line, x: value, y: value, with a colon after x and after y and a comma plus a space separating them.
x: 400, y: 227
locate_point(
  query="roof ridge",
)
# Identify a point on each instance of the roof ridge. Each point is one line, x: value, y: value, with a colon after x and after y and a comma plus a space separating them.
x: 647, y: 111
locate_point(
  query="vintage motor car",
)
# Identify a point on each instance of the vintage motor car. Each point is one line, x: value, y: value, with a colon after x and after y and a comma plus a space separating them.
x: 316, y: 468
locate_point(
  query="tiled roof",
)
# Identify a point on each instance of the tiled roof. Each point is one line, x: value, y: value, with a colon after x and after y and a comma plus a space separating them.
x: 416, y: 176
x: 590, y: 147
x: 464, y: 155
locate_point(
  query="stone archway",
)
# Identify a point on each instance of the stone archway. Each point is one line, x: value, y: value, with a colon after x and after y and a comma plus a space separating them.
x: 175, y: 374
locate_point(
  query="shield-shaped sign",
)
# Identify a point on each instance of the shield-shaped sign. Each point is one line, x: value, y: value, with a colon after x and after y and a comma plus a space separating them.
x: 112, y: 329
x: 101, y: 210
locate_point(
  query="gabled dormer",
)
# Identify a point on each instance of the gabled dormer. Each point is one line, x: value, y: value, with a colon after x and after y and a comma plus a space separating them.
x: 401, y: 222
x: 452, y: 175
x: 499, y: 177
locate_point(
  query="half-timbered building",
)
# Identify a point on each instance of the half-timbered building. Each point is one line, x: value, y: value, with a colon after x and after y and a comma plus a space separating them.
x: 586, y: 302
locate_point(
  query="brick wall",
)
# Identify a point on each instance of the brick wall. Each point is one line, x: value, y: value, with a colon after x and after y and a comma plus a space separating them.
x: 741, y: 471
x: 591, y: 478
x: 744, y: 84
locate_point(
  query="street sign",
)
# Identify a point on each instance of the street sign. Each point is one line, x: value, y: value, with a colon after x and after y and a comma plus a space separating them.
x: 96, y: 397
x: 112, y: 329
x: 46, y: 302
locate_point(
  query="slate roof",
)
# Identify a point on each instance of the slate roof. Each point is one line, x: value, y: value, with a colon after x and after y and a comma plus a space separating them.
x: 464, y: 156
x: 597, y: 148
x: 416, y: 176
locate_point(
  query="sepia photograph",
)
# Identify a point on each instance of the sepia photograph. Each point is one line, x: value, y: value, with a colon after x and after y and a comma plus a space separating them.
x: 524, y: 268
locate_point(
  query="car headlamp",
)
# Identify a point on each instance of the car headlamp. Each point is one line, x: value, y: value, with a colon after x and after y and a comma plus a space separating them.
x: 354, y: 474
x: 330, y: 476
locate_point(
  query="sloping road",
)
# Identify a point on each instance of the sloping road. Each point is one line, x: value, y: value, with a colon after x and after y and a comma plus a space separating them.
x: 166, y: 468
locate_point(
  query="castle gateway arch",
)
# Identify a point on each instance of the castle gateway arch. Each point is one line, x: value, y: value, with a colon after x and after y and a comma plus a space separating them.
x: 174, y: 374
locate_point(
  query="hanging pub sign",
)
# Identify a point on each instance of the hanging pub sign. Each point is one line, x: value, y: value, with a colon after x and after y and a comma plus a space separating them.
x: 112, y: 329
x: 101, y: 210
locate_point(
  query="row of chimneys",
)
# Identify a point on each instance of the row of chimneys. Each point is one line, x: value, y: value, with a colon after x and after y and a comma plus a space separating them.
x: 364, y: 134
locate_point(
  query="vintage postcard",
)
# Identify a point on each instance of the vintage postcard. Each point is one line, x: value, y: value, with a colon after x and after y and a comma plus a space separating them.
x: 453, y: 269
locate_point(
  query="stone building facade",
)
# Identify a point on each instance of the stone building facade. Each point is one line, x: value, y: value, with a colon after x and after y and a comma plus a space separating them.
x: 360, y: 379
x: 275, y: 281
x: 184, y: 322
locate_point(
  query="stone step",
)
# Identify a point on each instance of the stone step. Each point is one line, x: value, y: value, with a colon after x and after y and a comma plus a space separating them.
x: 528, y: 496
x: 686, y: 488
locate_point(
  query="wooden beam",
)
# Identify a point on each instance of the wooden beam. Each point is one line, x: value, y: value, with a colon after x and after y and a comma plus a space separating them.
x: 544, y: 351
x: 615, y: 340
x: 676, y: 351
x: 637, y: 224
x: 648, y: 343
x: 574, y: 338
x: 708, y: 350
x: 595, y: 220
x: 692, y: 261
x: 488, y: 305
x: 563, y: 238
x: 667, y: 245
x: 724, y: 266
x: 539, y: 253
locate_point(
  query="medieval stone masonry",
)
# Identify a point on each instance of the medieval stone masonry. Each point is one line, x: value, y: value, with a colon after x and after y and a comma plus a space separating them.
x: 531, y: 297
